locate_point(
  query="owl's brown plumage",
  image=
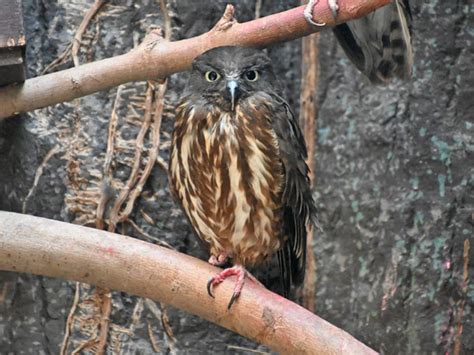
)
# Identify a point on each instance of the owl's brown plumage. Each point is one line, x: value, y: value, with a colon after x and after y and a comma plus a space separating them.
x: 379, y: 44
x: 237, y: 165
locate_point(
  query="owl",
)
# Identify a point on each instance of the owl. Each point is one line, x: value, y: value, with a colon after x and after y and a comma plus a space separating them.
x: 378, y: 44
x: 237, y: 167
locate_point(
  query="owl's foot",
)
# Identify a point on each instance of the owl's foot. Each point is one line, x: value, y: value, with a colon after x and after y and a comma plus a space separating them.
x: 308, y: 11
x: 220, y: 259
x: 237, y: 270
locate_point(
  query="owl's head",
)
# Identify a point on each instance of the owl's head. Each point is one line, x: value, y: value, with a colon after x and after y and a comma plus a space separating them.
x: 225, y: 75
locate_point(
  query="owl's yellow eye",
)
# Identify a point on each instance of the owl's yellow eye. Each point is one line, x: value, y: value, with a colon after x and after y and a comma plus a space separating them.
x: 212, y: 76
x: 251, y: 75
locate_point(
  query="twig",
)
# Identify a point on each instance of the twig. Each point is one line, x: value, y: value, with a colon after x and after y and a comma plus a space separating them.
x: 133, y: 189
x: 107, y: 172
x: 132, y: 179
x: 258, y: 8
x: 82, y: 28
x: 39, y: 173
x: 152, y: 154
x: 153, y: 341
x: 3, y: 294
x: 95, y: 40
x: 58, y: 61
x: 167, y: 19
x: 74, y: 46
x: 70, y: 318
x: 151, y: 62
x: 106, y: 309
x: 165, y: 321
x: 308, y: 117
x: 148, y: 236
x: 162, y: 163
x: 136, y: 315
x: 154, y: 309
x: 104, y: 293
x: 147, y: 217
x: 247, y: 350
x: 84, y: 345
x: 162, y: 316
x: 111, y: 134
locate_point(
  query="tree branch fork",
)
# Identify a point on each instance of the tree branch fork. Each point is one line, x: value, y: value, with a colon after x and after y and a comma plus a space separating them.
x: 63, y: 250
x: 159, y: 58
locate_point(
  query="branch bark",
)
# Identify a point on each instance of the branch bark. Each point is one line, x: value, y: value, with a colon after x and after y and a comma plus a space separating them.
x: 158, y: 58
x: 308, y: 118
x: 57, y: 249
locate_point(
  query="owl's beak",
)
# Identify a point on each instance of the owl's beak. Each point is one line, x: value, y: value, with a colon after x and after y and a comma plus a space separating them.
x: 233, y: 88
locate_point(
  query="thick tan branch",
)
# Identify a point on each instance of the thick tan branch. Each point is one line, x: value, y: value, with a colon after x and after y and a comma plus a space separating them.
x: 160, y: 58
x: 57, y: 249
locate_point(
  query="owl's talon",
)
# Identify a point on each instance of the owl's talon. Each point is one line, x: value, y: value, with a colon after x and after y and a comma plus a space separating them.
x: 209, y: 287
x: 235, y: 295
x: 308, y: 13
x: 238, y: 271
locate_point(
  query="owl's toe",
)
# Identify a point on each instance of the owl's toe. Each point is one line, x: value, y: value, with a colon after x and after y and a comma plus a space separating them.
x: 237, y: 270
x: 308, y: 13
x: 220, y: 260
x: 334, y: 7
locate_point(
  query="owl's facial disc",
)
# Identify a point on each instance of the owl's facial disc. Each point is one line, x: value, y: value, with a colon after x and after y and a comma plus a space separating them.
x: 227, y: 76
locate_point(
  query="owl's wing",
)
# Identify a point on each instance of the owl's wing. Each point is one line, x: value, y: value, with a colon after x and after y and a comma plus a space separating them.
x: 297, y: 201
x: 379, y: 44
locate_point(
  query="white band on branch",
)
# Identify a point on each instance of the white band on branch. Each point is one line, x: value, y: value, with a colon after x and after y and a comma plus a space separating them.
x: 58, y: 249
x: 158, y: 58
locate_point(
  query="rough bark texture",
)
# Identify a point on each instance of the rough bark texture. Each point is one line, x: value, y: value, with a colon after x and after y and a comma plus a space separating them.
x: 394, y: 172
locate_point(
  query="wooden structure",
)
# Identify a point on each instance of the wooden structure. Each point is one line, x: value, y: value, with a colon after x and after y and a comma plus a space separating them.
x: 12, y: 43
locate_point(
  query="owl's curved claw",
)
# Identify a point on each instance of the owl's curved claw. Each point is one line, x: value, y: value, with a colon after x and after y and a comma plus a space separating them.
x: 235, y: 295
x: 308, y: 13
x: 209, y: 287
x: 236, y: 270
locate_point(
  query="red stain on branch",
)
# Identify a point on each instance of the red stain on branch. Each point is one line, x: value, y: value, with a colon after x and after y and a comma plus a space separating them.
x: 108, y: 250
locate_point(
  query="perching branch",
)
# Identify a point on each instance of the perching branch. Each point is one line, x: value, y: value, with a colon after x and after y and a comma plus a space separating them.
x: 57, y: 249
x: 158, y: 58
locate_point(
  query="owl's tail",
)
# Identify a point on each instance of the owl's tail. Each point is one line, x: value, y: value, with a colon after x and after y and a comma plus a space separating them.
x: 380, y: 43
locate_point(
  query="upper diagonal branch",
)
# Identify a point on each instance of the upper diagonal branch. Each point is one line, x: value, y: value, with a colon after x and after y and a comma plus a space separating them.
x: 165, y: 58
x: 57, y: 249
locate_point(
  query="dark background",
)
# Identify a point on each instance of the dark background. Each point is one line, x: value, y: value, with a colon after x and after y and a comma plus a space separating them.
x: 394, y: 183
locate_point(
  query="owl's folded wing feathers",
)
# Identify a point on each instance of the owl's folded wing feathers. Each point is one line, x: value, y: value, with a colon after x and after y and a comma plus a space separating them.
x: 297, y: 201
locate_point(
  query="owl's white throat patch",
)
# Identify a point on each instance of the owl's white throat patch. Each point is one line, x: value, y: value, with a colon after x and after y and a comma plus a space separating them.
x: 225, y: 125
